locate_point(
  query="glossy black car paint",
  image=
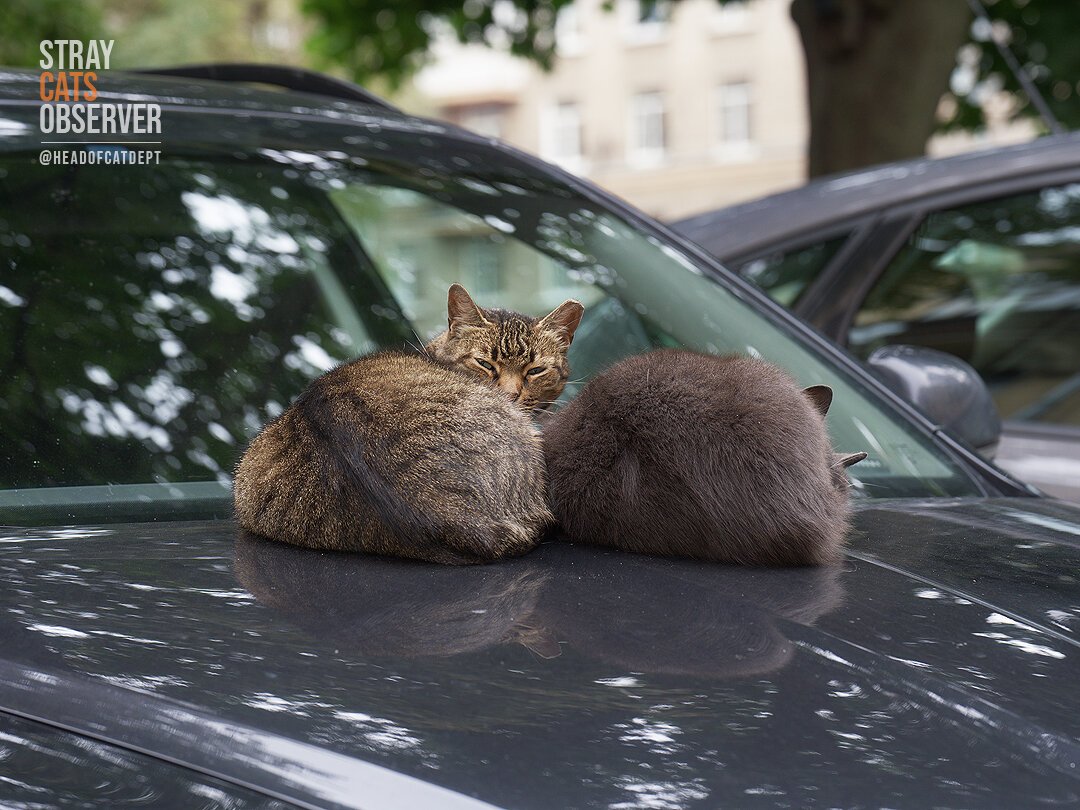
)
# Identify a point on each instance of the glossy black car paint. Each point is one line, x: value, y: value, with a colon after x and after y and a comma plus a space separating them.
x: 45, y: 767
x: 936, y: 667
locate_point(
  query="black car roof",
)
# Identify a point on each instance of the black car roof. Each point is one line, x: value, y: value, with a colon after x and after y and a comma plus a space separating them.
x: 326, y: 96
x: 739, y: 230
x: 280, y: 76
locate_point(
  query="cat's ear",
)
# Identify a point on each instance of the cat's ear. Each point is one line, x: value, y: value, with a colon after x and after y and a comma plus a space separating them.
x: 847, y: 459
x: 821, y: 396
x: 563, y: 320
x: 461, y: 310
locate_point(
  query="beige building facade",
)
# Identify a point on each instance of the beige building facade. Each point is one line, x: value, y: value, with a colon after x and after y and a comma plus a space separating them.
x: 676, y: 107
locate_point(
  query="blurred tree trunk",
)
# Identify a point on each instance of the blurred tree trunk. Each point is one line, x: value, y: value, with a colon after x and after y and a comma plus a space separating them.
x: 876, y: 70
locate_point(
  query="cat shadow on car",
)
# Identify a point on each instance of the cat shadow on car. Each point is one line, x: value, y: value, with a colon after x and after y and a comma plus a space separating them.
x: 641, y: 614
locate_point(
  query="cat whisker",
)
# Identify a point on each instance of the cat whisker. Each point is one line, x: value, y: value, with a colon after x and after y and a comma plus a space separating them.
x: 423, y: 346
x: 866, y: 484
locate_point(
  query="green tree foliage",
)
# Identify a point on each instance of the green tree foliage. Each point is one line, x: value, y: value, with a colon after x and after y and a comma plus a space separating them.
x: 384, y: 41
x: 156, y: 32
x: 1042, y: 35
x: 27, y: 22
x: 390, y: 38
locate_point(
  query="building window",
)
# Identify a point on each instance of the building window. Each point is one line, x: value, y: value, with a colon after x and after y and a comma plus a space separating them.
x: 653, y: 12
x: 733, y: 104
x: 645, y: 21
x: 483, y: 119
x: 560, y: 136
x: 731, y: 17
x: 648, y: 138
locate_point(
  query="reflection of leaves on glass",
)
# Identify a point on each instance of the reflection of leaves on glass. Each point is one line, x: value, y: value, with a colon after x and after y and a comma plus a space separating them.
x: 155, y: 319
x: 202, y: 297
x: 201, y: 304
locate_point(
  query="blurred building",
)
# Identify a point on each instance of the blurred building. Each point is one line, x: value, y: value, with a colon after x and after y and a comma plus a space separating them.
x: 676, y: 107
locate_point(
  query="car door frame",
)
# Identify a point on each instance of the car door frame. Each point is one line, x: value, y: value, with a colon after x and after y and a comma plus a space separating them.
x: 832, y: 301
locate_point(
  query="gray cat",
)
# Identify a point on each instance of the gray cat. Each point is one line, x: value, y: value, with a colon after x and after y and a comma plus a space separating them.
x: 715, y: 458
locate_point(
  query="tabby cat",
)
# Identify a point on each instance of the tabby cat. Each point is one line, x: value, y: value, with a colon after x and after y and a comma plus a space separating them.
x: 716, y: 458
x: 432, y: 456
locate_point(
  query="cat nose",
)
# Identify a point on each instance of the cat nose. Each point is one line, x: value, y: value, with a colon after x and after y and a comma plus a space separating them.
x: 510, y: 386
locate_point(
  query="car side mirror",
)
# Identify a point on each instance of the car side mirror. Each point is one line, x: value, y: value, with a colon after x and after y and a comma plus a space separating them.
x: 945, y: 388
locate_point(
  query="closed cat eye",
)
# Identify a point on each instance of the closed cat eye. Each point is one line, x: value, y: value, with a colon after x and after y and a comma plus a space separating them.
x: 532, y: 372
x: 485, y: 364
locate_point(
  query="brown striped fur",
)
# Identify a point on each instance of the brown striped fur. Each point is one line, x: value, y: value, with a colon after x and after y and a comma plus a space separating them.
x: 716, y: 458
x: 524, y: 357
x: 412, y: 456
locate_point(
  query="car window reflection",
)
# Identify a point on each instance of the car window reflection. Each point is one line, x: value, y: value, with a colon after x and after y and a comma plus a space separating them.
x: 158, y: 318
x: 996, y: 284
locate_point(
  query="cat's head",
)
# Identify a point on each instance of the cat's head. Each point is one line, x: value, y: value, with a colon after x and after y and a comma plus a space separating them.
x: 524, y: 357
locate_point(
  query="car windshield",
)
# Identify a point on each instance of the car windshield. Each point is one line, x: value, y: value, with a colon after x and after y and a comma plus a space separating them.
x: 153, y: 318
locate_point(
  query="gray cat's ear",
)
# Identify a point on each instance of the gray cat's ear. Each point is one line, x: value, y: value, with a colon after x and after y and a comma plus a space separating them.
x: 564, y: 319
x: 847, y: 459
x: 821, y: 396
x: 461, y: 310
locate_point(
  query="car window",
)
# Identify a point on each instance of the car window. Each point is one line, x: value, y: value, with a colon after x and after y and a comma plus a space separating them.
x: 154, y: 319
x: 785, y: 275
x: 421, y: 246
x: 145, y: 340
x: 997, y: 284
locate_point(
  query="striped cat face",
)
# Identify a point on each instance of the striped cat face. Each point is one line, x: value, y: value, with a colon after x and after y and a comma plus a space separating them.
x: 523, y: 357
